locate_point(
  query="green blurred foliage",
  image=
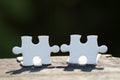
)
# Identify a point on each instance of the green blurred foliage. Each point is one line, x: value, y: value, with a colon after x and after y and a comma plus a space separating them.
x: 58, y: 19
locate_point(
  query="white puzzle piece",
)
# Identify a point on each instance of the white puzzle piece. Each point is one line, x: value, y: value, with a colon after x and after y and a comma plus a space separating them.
x: 83, y: 53
x: 30, y: 50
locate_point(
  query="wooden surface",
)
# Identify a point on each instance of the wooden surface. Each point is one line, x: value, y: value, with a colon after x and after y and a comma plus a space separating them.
x: 108, y: 68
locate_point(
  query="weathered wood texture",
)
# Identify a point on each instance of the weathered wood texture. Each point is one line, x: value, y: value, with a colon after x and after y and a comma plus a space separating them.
x: 108, y: 68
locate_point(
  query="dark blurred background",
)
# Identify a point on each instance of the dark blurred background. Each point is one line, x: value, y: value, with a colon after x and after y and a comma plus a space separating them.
x: 59, y: 19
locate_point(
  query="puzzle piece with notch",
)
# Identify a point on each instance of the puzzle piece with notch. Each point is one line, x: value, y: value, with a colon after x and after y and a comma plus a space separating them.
x: 30, y: 50
x: 83, y: 53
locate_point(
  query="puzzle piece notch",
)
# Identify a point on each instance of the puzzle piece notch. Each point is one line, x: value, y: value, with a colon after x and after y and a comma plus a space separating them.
x: 90, y: 49
x: 29, y: 50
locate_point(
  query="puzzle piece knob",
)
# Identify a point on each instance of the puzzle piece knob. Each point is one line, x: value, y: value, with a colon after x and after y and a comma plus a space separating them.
x: 103, y: 49
x: 64, y: 48
x: 55, y: 49
x: 16, y: 50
